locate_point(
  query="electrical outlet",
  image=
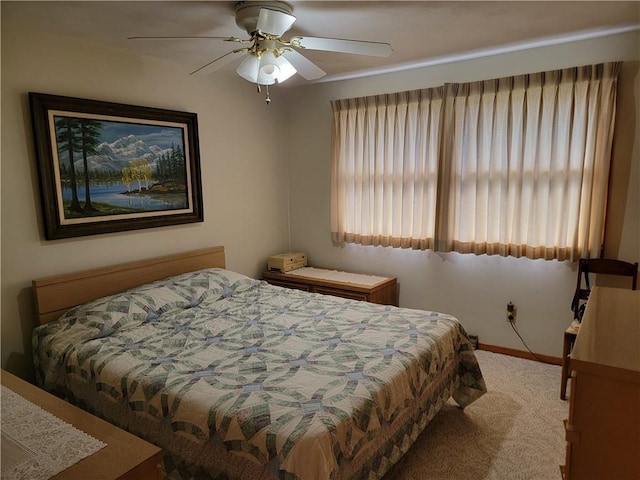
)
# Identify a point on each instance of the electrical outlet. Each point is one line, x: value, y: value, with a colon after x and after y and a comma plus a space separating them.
x: 512, y: 312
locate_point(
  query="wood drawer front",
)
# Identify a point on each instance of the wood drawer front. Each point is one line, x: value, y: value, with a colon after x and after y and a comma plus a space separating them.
x: 297, y: 286
x: 342, y: 293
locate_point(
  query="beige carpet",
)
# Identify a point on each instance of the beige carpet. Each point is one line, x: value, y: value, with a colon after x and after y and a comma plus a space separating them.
x: 513, y: 432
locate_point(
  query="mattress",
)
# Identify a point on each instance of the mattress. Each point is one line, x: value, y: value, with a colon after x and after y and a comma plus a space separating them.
x: 236, y: 378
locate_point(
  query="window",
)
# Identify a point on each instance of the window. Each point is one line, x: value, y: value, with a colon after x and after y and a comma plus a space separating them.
x: 385, y: 168
x: 513, y: 166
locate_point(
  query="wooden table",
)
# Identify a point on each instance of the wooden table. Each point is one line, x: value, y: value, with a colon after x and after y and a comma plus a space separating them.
x: 358, y: 286
x: 603, y: 429
x: 126, y: 457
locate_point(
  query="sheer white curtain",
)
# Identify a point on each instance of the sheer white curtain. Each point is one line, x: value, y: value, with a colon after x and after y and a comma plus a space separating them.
x: 513, y: 166
x: 385, y: 169
x: 527, y: 164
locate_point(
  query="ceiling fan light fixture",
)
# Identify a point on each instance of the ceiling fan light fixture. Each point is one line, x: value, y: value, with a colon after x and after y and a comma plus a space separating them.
x: 266, y: 69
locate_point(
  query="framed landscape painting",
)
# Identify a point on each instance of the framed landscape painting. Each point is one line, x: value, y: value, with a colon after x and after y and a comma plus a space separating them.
x: 109, y: 167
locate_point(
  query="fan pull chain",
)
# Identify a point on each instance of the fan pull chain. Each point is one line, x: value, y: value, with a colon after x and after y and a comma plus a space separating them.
x: 259, y: 89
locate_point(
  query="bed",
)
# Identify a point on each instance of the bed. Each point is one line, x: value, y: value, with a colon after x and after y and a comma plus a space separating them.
x: 236, y: 378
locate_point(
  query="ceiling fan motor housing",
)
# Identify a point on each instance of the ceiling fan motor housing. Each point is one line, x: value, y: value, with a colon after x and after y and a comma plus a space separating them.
x: 247, y: 13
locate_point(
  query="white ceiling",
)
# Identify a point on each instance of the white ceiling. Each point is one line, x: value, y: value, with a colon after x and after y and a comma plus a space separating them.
x: 418, y: 31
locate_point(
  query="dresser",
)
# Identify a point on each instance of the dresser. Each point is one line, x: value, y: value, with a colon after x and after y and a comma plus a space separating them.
x: 603, y: 428
x: 357, y: 286
x: 125, y: 456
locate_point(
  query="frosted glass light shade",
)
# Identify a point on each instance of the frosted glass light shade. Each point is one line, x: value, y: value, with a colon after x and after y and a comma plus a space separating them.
x: 286, y: 69
x: 249, y: 67
x: 269, y: 69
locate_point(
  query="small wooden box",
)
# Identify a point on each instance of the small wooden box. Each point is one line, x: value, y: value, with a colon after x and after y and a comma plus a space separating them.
x: 286, y: 262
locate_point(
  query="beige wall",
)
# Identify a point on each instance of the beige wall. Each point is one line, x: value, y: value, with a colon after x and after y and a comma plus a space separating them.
x: 474, y: 288
x: 243, y: 167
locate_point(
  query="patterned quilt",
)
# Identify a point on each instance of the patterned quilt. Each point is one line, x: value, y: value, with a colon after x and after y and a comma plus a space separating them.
x: 236, y: 378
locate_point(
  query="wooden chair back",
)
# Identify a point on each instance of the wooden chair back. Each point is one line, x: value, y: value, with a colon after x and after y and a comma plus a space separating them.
x: 604, y: 266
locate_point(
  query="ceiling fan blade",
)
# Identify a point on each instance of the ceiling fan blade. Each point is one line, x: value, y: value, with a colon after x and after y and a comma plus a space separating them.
x: 357, y: 47
x: 218, y: 63
x: 274, y: 23
x: 304, y: 66
x: 230, y: 39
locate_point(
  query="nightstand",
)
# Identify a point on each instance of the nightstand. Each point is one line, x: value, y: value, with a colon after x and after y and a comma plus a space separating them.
x: 125, y: 457
x: 357, y: 286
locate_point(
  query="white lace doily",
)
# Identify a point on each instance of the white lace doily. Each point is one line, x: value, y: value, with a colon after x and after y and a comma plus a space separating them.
x: 37, y: 445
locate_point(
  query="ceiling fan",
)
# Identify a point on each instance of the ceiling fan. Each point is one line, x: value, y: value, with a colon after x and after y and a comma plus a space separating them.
x: 270, y: 59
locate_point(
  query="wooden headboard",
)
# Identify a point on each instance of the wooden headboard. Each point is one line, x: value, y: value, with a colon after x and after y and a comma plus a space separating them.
x: 55, y: 295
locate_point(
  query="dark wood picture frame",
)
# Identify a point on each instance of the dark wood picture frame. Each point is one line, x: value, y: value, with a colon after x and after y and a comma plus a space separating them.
x: 108, y: 167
